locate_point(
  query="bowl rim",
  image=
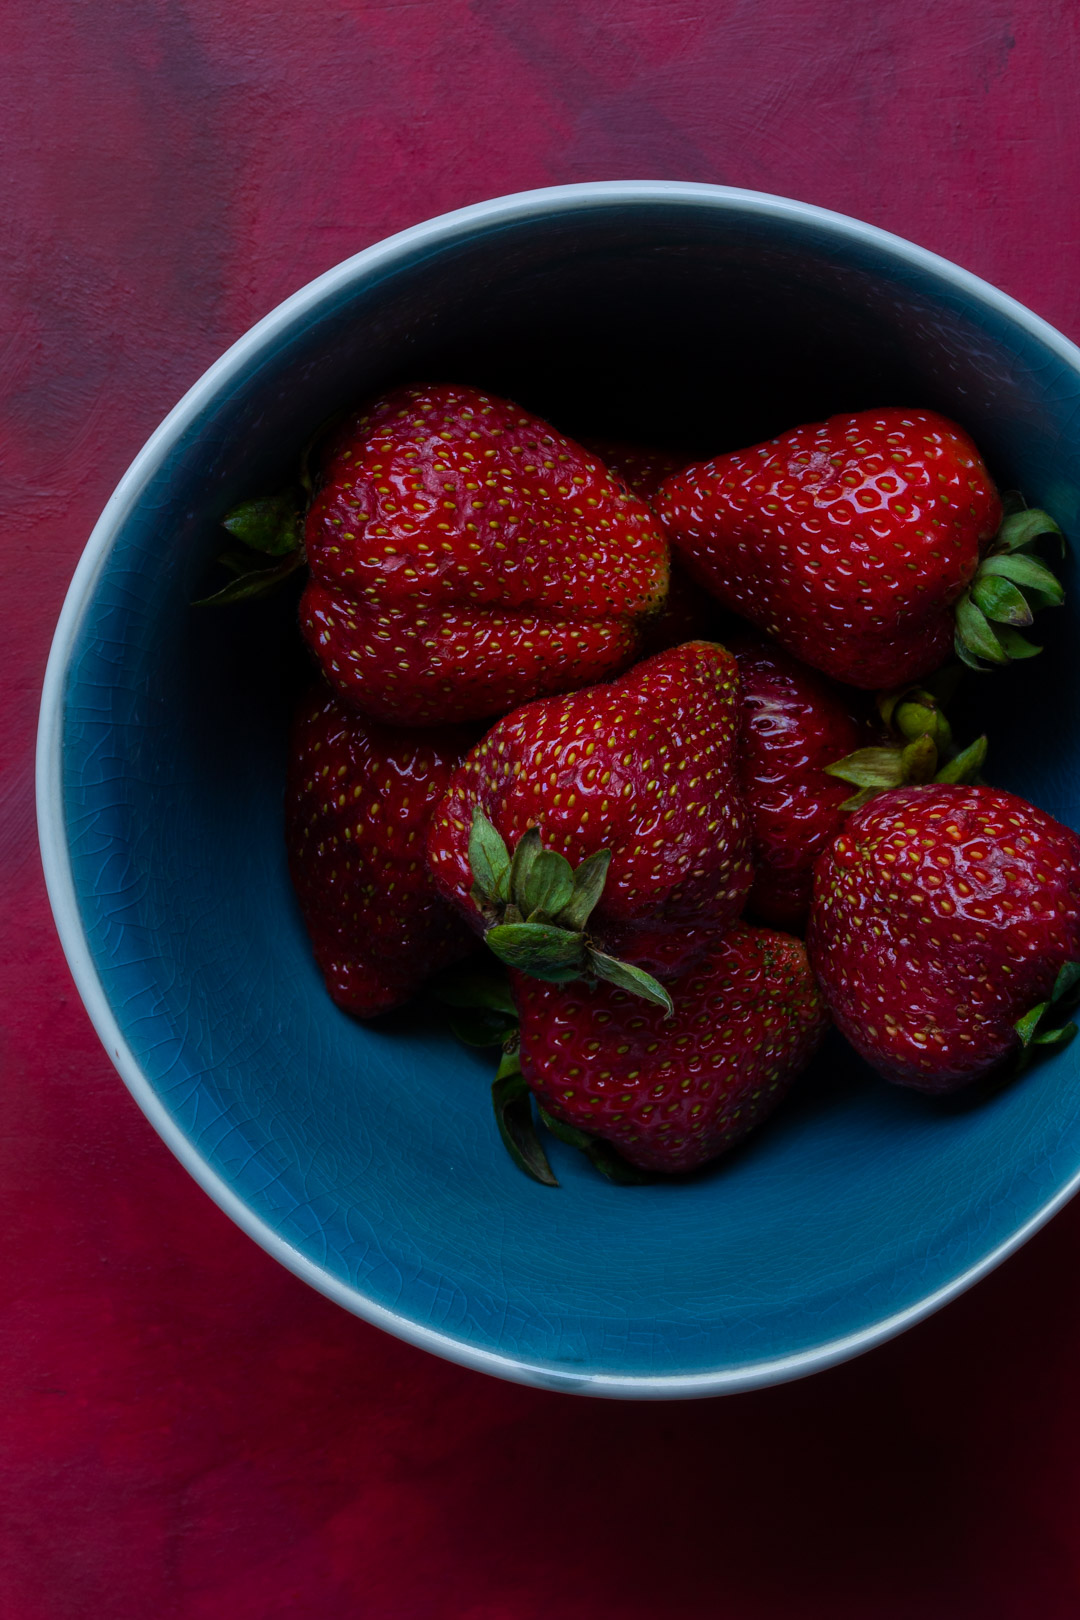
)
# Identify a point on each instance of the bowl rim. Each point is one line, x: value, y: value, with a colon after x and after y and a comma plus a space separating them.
x: 390, y: 253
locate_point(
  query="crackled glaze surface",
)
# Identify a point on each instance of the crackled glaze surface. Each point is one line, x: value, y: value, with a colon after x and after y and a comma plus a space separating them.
x: 366, y: 1158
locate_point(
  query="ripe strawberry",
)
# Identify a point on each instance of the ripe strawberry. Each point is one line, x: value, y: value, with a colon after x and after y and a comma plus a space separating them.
x: 672, y: 1093
x: 358, y: 801
x: 641, y: 774
x: 465, y: 557
x: 856, y: 542
x: 944, y: 920
x: 797, y: 723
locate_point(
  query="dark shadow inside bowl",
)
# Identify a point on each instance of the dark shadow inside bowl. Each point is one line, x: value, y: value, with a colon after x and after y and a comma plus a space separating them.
x: 372, y: 1153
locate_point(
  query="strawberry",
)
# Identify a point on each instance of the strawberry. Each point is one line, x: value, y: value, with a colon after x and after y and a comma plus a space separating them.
x: 797, y: 723
x: 670, y: 1094
x: 804, y: 738
x: 867, y: 545
x: 945, y: 932
x: 464, y: 557
x: 358, y: 801
x: 637, y: 781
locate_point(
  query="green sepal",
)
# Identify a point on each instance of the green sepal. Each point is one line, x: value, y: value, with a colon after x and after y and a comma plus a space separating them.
x: 1026, y: 1026
x: 1026, y: 572
x: 877, y: 768
x: 975, y: 635
x: 589, y: 880
x: 512, y: 1101
x: 489, y: 859
x: 252, y: 582
x: 1067, y: 984
x: 918, y: 715
x: 1016, y: 645
x: 526, y: 851
x: 965, y: 766
x: 270, y: 523
x: 1022, y: 528
x: 1001, y: 600
x: 918, y: 761
x: 632, y: 979
x: 1047, y: 1025
x: 547, y: 952
x: 565, y: 1133
x: 547, y: 888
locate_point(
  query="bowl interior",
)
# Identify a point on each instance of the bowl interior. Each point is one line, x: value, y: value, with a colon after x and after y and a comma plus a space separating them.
x: 700, y: 323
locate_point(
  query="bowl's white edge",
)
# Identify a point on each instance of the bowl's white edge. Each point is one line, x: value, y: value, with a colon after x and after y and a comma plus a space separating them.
x: 53, y: 838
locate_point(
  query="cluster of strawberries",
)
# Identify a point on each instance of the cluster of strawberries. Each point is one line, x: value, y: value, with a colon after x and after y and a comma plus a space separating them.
x: 647, y: 785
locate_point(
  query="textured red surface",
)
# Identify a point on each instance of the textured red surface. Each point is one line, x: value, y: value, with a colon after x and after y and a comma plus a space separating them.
x: 188, y: 1432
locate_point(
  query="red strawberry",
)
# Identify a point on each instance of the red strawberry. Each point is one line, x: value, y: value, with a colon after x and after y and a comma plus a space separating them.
x: 672, y: 1093
x: 465, y: 557
x: 796, y: 723
x: 644, y: 769
x: 942, y: 921
x: 856, y: 542
x: 358, y: 801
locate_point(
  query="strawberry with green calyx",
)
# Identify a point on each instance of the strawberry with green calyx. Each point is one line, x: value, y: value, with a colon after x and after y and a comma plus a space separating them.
x: 867, y: 545
x: 666, y: 1094
x: 919, y: 747
x: 536, y: 908
x: 633, y: 783
x: 357, y: 805
x: 464, y: 557
x: 945, y: 933
x: 1009, y: 588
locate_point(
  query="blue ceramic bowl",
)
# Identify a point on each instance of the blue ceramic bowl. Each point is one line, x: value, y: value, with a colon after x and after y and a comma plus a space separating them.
x: 366, y: 1159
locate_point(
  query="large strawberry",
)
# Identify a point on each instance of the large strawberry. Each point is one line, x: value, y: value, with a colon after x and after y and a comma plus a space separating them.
x: 945, y: 932
x: 637, y: 781
x: 464, y: 557
x: 867, y: 545
x: 671, y: 1093
x: 358, y: 801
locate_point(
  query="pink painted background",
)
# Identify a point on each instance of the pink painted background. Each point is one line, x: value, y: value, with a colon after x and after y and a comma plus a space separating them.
x: 187, y: 1432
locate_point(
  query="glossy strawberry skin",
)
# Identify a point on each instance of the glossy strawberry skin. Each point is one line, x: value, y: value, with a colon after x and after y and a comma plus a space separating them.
x: 646, y: 767
x: 671, y: 1094
x: 465, y: 557
x: 796, y: 722
x: 848, y: 541
x: 941, y: 915
x: 358, y: 801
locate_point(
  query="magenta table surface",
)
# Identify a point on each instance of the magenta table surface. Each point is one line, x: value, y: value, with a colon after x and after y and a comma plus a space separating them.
x: 187, y: 1431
